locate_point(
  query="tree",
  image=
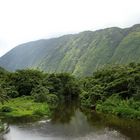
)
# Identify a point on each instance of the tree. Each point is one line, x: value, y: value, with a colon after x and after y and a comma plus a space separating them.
x: 3, y: 96
x: 25, y: 80
x: 40, y: 93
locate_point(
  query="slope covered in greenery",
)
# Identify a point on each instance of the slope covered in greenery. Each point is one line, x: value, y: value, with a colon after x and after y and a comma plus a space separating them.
x: 79, y: 54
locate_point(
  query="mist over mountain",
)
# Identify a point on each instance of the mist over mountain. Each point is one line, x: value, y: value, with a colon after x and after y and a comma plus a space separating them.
x: 79, y: 54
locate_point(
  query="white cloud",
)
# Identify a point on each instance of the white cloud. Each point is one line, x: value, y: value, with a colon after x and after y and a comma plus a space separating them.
x: 25, y: 20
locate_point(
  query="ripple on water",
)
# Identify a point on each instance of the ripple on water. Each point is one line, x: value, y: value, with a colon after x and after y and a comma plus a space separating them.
x: 78, y: 128
x: 18, y: 133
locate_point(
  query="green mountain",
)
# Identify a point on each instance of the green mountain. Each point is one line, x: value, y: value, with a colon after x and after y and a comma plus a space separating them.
x: 2, y: 70
x: 79, y: 54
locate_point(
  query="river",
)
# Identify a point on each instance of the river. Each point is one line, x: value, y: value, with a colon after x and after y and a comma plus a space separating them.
x: 71, y: 123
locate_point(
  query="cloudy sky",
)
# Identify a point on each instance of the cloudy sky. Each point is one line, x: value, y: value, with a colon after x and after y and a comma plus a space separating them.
x: 25, y: 20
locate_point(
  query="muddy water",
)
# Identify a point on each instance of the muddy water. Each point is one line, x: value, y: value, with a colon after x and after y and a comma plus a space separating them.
x: 71, y: 123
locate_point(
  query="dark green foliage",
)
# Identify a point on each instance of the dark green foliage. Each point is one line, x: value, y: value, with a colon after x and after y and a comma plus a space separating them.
x: 2, y: 71
x: 40, y: 85
x: 63, y: 85
x: 3, y: 95
x: 40, y: 94
x: 121, y: 80
x: 85, y: 99
x: 52, y: 99
x: 25, y: 80
x: 12, y: 92
x: 114, y: 90
x: 6, y: 109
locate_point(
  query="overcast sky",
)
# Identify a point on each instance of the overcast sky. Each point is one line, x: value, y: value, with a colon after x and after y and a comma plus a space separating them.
x: 25, y: 20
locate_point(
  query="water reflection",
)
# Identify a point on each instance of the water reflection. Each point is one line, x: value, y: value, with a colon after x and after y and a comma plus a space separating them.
x: 77, y: 129
x: 70, y: 123
x: 127, y: 127
x: 64, y: 112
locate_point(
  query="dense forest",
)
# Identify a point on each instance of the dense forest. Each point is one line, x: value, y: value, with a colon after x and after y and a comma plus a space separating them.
x: 112, y: 90
x: 32, y: 92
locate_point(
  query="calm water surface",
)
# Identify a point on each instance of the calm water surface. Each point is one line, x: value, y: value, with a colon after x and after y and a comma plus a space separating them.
x: 70, y: 123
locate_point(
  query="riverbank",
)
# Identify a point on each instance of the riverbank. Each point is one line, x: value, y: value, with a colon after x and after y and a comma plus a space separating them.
x: 113, y: 90
x: 26, y: 107
x: 23, y: 107
x: 70, y: 122
x: 128, y: 108
x: 114, y: 105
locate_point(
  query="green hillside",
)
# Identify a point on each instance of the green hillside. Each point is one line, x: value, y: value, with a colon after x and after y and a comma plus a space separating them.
x: 79, y: 54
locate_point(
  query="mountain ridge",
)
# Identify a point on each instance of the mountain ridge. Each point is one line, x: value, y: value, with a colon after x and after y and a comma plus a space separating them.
x: 79, y: 54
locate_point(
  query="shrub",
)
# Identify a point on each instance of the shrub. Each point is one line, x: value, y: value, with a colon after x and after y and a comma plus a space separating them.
x: 25, y: 80
x: 40, y: 94
x: 12, y: 92
x: 6, y: 109
x: 84, y: 99
x: 52, y: 99
x: 41, y: 97
x: 38, y: 112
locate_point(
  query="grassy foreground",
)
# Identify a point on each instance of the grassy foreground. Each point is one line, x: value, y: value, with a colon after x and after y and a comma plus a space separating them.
x: 22, y: 107
x: 122, y: 108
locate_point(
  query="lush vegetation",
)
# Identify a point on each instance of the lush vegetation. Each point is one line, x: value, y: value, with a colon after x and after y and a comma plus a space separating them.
x: 24, y: 107
x: 114, y: 90
x: 34, y: 93
x: 79, y: 54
